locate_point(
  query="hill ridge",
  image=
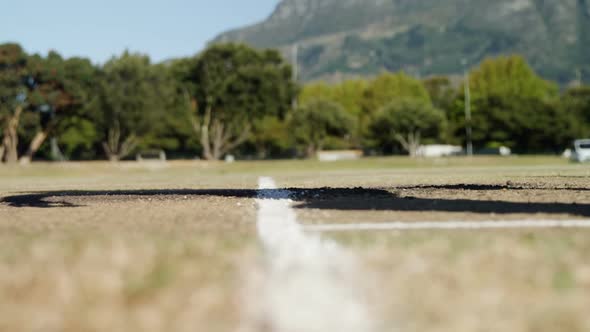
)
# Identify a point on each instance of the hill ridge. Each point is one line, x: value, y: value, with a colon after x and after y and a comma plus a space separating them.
x: 341, y: 38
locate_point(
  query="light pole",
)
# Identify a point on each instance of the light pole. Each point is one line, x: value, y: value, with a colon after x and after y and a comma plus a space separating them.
x: 468, y: 128
x: 579, y: 77
x: 295, y: 67
x: 295, y: 60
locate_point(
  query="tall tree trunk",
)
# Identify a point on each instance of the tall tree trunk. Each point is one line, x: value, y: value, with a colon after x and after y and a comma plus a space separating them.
x: 261, y: 151
x: 216, y: 138
x: 114, y: 148
x: 310, y: 151
x: 204, y: 129
x: 112, y: 157
x: 217, y: 135
x: 10, y: 140
x: 35, y: 144
x: 411, y: 143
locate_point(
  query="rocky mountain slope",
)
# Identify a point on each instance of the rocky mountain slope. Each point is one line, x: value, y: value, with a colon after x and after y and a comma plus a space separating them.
x: 339, y: 38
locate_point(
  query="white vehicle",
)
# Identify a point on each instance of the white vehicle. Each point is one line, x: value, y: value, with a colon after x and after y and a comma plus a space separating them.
x: 581, y: 150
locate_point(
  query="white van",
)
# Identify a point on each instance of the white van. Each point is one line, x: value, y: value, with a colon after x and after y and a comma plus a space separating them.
x: 581, y: 150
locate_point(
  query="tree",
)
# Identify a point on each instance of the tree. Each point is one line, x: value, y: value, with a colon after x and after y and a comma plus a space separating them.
x: 134, y: 95
x: 441, y: 91
x: 78, y: 137
x: 63, y: 89
x: 318, y: 121
x: 575, y: 103
x: 443, y: 95
x: 349, y: 94
x: 542, y: 126
x: 509, y: 77
x: 13, y: 94
x: 382, y: 91
x: 406, y: 122
x: 316, y: 90
x: 270, y: 136
x: 509, y: 99
x: 232, y: 86
x: 388, y: 87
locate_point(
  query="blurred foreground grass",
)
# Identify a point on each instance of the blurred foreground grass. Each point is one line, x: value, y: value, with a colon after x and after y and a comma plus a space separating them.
x: 531, y: 281
x: 63, y: 281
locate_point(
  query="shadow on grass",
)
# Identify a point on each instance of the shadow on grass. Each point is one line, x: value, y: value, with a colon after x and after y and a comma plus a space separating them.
x: 65, y: 199
x: 348, y: 199
x: 490, y: 187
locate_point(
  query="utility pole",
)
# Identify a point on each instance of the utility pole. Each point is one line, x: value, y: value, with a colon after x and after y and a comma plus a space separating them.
x: 468, y: 128
x: 295, y: 57
x: 295, y: 64
x: 579, y: 78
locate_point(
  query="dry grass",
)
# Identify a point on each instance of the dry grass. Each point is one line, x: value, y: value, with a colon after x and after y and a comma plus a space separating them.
x: 177, y: 263
x: 123, y: 263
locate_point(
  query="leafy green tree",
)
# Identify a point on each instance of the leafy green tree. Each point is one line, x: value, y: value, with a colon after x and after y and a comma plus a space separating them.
x: 63, y: 89
x: 232, y: 86
x: 441, y: 91
x: 318, y: 121
x: 316, y: 90
x: 383, y: 90
x: 350, y: 94
x: 443, y: 94
x: 13, y: 93
x: 407, y: 122
x: 270, y: 136
x: 526, y: 125
x: 78, y: 137
x: 542, y: 126
x: 134, y: 97
x: 388, y: 87
x: 173, y: 131
x: 576, y: 103
x: 509, y: 77
x: 507, y: 98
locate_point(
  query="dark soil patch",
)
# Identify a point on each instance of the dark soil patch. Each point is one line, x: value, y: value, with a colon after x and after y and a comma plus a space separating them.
x: 468, y: 198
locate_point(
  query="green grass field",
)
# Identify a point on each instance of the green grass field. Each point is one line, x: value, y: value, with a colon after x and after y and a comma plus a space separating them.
x: 84, y: 246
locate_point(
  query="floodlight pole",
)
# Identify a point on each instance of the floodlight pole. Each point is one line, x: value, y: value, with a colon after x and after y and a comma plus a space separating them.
x: 295, y: 56
x: 468, y: 128
x: 295, y: 64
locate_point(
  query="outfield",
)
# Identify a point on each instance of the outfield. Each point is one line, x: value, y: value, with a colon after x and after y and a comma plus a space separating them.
x: 177, y: 246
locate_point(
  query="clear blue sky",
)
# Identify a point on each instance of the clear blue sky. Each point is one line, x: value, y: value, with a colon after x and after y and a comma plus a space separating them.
x: 99, y: 29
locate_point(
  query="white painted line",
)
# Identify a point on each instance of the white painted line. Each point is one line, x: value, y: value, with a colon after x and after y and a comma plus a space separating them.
x: 311, y: 283
x: 449, y: 225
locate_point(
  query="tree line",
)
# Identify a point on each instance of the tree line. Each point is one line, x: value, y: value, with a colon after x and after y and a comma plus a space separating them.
x: 235, y: 99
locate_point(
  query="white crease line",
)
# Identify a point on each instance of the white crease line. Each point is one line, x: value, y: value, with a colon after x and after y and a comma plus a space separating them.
x: 449, y: 225
x: 311, y: 284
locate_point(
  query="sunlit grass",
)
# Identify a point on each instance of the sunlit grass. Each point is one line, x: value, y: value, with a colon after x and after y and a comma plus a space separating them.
x: 180, y: 264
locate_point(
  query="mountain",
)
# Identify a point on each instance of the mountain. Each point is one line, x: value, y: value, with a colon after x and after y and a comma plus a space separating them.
x: 338, y: 38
